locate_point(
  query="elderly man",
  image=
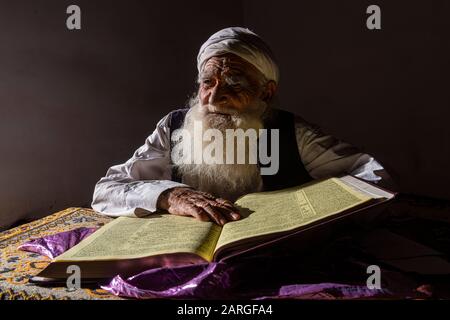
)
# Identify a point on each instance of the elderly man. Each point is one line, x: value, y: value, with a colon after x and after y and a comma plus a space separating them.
x: 237, y: 82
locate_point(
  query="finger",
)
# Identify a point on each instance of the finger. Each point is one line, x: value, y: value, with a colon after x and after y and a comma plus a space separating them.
x: 189, y: 210
x: 215, y: 214
x: 228, y: 212
x: 179, y: 210
x: 207, y: 195
x: 225, y: 202
x: 198, y: 213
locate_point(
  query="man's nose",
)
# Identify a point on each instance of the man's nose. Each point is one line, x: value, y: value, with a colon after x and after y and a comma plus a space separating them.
x: 219, y: 96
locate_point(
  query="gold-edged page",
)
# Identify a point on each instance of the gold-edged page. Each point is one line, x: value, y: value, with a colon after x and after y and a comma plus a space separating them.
x: 130, y: 238
x: 277, y: 211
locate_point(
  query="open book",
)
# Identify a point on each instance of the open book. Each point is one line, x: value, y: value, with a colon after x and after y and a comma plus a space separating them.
x: 129, y: 245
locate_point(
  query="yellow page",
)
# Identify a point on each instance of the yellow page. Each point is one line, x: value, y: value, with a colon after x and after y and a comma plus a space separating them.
x: 129, y: 238
x: 276, y: 211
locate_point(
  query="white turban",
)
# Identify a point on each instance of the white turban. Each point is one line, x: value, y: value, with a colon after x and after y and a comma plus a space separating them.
x: 243, y: 43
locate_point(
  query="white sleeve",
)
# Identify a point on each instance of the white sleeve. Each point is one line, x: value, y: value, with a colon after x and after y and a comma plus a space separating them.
x: 325, y: 156
x: 133, y: 188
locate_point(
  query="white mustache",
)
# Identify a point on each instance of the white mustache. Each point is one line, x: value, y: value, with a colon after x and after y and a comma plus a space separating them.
x: 218, y: 109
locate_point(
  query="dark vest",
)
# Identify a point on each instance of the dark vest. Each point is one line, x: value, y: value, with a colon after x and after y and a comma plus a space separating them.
x: 291, y: 170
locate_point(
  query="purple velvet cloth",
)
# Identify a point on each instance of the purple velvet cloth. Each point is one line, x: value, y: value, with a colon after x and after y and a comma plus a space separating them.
x: 53, y: 245
x: 260, y: 276
x: 213, y: 281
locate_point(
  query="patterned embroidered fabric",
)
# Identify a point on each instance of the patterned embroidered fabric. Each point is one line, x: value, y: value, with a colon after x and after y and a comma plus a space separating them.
x: 17, y: 267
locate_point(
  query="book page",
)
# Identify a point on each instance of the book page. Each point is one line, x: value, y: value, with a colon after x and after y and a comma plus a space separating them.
x: 276, y: 211
x: 129, y: 238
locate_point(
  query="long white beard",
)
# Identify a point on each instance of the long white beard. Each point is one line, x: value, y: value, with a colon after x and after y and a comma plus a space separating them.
x: 228, y: 181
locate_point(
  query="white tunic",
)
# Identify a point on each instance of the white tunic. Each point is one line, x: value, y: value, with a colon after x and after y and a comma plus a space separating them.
x: 133, y: 188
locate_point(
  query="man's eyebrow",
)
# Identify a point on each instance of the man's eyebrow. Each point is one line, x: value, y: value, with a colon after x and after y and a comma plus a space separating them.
x: 205, y: 75
x: 202, y: 77
x: 237, y: 78
x: 233, y: 75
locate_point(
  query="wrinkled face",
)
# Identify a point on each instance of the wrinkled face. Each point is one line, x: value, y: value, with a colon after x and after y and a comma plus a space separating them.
x: 230, y: 85
x: 232, y: 94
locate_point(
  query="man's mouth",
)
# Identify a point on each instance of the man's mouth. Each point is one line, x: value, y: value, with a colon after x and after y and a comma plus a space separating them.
x: 220, y: 111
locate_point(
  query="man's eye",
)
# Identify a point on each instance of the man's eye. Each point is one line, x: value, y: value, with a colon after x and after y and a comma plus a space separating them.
x: 207, y: 82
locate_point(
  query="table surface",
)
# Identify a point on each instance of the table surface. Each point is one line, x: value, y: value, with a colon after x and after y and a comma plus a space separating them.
x: 17, y: 267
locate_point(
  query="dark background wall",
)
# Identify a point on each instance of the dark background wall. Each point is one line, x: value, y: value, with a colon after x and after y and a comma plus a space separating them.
x: 73, y: 103
x: 386, y: 91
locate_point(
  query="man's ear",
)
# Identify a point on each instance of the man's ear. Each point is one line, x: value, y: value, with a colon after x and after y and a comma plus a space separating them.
x: 270, y: 89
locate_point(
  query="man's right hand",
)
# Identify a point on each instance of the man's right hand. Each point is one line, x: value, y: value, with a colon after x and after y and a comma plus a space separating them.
x: 200, y: 205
